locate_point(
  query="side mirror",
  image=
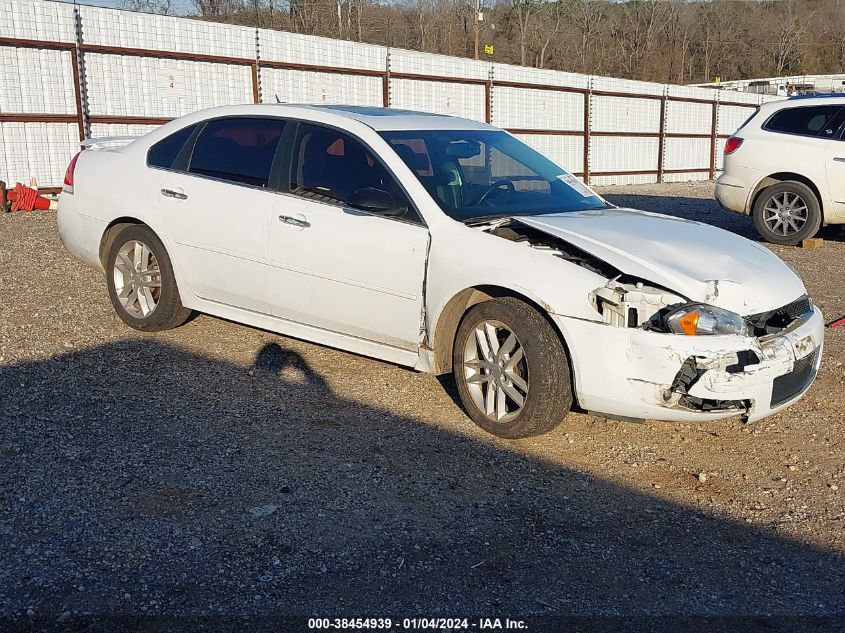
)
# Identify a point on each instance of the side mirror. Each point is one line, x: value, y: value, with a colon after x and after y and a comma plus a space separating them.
x: 375, y: 201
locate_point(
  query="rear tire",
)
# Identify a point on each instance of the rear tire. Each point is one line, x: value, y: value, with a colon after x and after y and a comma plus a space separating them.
x: 141, y: 283
x: 787, y: 213
x: 511, y: 370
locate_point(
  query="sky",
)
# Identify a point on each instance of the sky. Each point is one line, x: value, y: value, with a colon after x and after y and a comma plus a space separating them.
x: 181, y: 7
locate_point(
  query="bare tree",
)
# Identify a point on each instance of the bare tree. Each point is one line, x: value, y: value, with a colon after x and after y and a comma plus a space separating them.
x: 550, y: 17
x: 523, y: 11
x: 162, y: 7
x: 589, y: 18
x: 663, y: 40
x: 786, y: 49
x: 636, y: 32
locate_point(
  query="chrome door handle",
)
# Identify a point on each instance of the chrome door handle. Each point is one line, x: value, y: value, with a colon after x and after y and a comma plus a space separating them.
x: 839, y: 159
x: 294, y: 221
x: 169, y: 193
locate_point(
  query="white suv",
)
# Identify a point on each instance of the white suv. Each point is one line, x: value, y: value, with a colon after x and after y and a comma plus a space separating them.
x: 786, y: 167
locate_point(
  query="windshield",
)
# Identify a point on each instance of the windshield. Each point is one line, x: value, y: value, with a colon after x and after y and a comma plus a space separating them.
x: 482, y: 174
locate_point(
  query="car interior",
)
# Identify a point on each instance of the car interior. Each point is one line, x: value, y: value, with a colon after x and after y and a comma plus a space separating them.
x: 330, y: 166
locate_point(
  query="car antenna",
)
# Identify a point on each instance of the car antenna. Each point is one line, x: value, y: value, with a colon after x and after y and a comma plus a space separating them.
x: 277, y: 98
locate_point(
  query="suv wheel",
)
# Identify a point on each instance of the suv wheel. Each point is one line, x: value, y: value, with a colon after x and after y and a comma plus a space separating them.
x: 142, y: 287
x: 787, y: 213
x: 511, y: 370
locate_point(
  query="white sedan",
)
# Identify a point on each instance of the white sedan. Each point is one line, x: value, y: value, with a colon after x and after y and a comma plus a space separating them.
x: 448, y: 246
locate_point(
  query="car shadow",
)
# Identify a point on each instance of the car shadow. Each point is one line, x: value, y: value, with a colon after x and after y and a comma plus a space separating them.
x: 705, y: 210
x: 140, y: 481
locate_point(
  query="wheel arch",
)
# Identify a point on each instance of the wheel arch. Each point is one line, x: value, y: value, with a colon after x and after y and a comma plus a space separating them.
x: 115, y: 227
x: 784, y: 176
x: 453, y: 312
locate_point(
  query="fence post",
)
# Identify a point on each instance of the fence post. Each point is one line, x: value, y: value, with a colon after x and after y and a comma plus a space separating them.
x: 713, y: 131
x: 385, y: 80
x: 77, y: 93
x: 80, y: 89
x: 587, y: 94
x: 256, y: 70
x: 488, y: 96
x: 661, y: 143
x: 256, y: 90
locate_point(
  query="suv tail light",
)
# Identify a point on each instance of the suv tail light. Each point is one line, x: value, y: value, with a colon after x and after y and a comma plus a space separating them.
x: 68, y: 183
x: 732, y: 144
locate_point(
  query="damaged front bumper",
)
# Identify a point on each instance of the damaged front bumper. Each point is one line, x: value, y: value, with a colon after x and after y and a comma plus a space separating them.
x: 635, y: 373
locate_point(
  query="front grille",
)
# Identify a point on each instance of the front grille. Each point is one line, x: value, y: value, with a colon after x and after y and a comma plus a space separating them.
x: 778, y: 320
x: 790, y: 385
x: 795, y: 309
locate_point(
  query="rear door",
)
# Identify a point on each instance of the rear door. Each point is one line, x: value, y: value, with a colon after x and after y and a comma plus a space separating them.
x: 216, y: 203
x: 799, y: 137
x: 337, y: 267
x: 835, y: 163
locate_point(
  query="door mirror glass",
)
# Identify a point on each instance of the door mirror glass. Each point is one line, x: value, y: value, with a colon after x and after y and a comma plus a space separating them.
x: 375, y: 200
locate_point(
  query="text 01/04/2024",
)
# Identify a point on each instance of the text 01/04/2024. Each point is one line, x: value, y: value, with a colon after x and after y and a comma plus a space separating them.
x: 387, y: 624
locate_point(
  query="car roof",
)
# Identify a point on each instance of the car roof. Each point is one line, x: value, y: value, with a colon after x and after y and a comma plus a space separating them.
x: 383, y: 119
x: 828, y: 95
x: 379, y: 119
x: 804, y: 101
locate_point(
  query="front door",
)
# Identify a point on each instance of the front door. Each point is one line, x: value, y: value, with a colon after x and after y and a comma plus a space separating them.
x: 335, y: 267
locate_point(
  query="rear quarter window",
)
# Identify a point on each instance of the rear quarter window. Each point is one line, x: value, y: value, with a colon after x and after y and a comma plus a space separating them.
x: 804, y: 121
x: 164, y: 153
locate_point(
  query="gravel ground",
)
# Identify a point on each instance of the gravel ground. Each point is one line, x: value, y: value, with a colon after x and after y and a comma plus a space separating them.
x: 221, y: 471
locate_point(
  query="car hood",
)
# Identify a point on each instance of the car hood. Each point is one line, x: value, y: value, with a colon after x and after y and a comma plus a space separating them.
x: 699, y: 261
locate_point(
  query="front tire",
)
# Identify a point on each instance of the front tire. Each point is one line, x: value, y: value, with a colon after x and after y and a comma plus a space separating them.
x: 511, y: 370
x: 787, y: 213
x: 141, y: 283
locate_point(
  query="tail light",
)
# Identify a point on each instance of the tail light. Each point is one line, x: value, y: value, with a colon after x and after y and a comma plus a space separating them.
x: 68, y: 184
x: 732, y: 144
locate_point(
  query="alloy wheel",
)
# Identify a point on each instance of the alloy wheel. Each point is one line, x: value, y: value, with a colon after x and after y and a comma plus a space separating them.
x: 785, y: 213
x: 496, y: 371
x: 137, y: 279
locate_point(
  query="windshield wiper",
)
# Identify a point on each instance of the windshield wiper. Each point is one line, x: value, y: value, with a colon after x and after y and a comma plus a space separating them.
x: 486, y: 219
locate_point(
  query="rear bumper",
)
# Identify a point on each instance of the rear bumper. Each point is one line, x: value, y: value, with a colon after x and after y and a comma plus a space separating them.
x: 732, y: 194
x: 634, y: 373
x: 79, y: 233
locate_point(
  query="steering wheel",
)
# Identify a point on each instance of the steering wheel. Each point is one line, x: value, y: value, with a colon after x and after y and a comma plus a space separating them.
x: 503, y: 182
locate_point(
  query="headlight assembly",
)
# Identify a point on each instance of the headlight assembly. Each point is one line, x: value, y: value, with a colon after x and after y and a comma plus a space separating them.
x: 698, y: 319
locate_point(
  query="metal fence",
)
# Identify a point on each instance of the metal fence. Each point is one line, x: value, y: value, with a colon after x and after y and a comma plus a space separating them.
x: 69, y: 72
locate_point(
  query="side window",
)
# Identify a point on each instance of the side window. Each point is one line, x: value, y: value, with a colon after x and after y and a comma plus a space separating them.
x: 806, y: 121
x: 330, y: 166
x: 836, y: 128
x: 237, y: 149
x: 163, y: 153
